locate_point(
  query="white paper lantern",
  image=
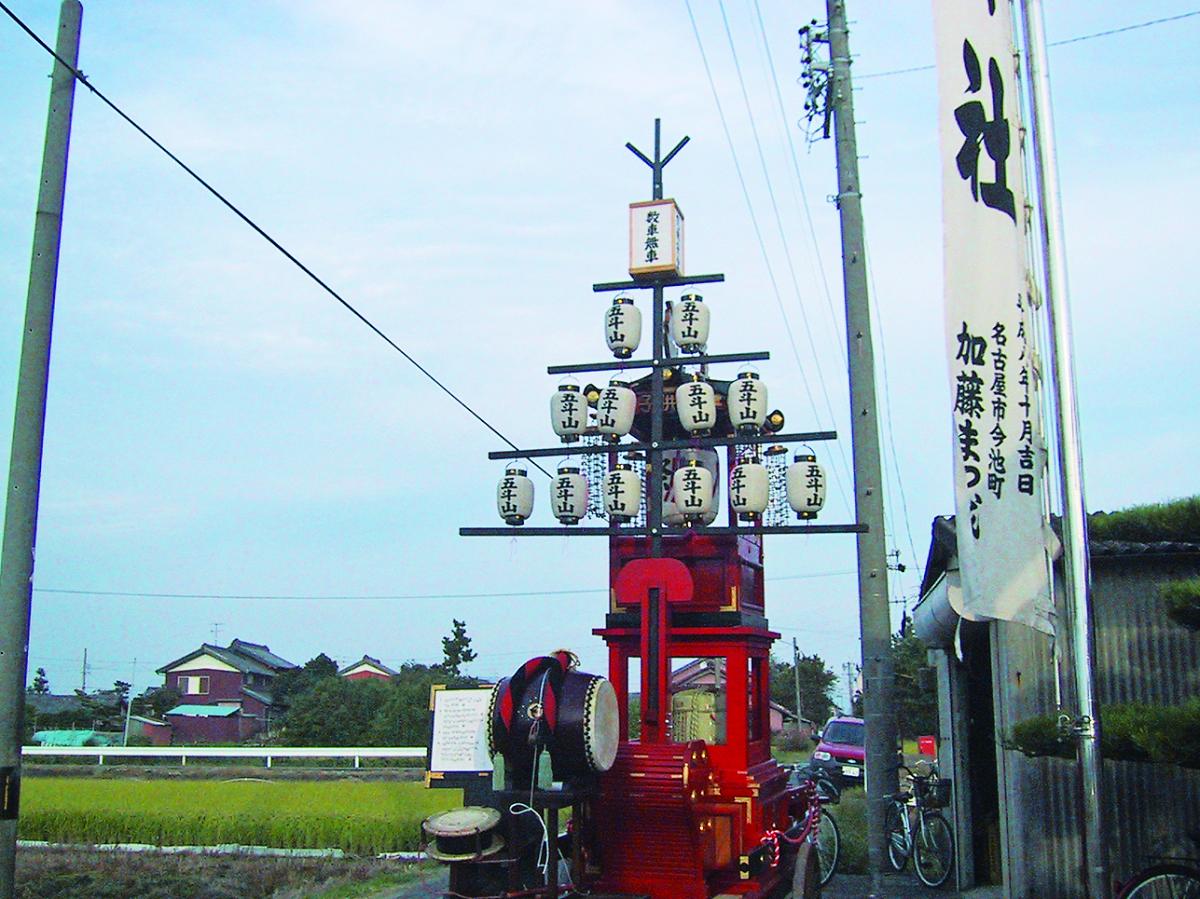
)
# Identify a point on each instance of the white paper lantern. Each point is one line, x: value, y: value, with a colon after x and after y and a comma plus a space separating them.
x: 514, y: 496
x: 696, y: 405
x: 623, y: 327
x: 622, y: 492
x: 569, y: 497
x: 693, y: 488
x: 615, y: 409
x: 689, y: 323
x: 747, y: 402
x: 749, y: 490
x: 806, y: 486
x: 568, y: 412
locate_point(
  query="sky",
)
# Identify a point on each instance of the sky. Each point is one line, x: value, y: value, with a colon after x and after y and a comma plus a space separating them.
x: 217, y: 425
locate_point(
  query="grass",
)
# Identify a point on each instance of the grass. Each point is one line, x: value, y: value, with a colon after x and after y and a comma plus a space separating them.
x: 851, y: 814
x: 358, y: 818
x: 1175, y: 520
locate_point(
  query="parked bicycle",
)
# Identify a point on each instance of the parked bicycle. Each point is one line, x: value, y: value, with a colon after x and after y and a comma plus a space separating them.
x: 825, y: 828
x: 916, y: 829
x: 1170, y: 878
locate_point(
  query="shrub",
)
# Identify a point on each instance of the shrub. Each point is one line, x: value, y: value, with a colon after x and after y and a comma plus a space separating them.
x: 1178, y: 520
x: 1182, y: 599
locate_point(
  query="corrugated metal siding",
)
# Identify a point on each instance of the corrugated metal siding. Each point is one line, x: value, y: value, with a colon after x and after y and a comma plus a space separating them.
x: 1141, y: 656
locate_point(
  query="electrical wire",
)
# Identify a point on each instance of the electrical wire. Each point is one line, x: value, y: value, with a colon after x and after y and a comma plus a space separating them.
x: 79, y: 76
x: 131, y: 594
x: 787, y: 252
x: 758, y: 233
x: 1070, y: 40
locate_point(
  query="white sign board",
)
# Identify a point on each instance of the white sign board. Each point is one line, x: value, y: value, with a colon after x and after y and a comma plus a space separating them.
x: 655, y: 238
x: 999, y: 452
x: 460, y: 731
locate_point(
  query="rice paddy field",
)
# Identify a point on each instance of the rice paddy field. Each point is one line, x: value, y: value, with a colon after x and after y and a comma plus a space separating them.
x: 359, y: 818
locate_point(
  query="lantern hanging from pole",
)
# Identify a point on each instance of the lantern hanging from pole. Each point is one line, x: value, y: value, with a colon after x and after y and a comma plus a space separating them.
x: 693, y: 488
x: 569, y: 498
x: 623, y: 327
x: 806, y: 486
x: 749, y: 489
x: 697, y: 406
x: 689, y: 323
x: 568, y: 412
x: 615, y: 408
x: 514, y: 496
x: 622, y: 493
x: 747, y: 402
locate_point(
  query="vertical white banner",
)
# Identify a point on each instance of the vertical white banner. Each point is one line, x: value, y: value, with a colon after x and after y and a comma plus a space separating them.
x: 999, y: 458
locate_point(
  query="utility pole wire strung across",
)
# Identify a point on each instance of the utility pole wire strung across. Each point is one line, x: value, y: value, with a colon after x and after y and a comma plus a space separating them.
x: 262, y: 233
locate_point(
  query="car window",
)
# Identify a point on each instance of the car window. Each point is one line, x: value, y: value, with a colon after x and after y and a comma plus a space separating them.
x: 844, y: 732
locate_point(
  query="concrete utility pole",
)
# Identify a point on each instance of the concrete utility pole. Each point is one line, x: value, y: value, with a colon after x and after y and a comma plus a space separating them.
x: 873, y: 611
x: 25, y: 464
x: 796, y: 671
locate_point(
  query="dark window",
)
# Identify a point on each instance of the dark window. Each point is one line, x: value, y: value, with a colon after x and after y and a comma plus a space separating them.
x: 844, y: 732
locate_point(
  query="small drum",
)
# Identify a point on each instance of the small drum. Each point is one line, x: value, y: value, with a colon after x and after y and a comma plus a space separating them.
x: 462, y: 834
x: 571, y: 715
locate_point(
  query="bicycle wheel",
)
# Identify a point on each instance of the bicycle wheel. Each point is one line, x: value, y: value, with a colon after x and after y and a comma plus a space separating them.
x: 1164, y: 882
x: 829, y: 846
x: 933, y: 850
x: 897, y: 838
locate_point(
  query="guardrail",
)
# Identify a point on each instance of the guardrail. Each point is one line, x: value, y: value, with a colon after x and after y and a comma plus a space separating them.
x: 269, y: 753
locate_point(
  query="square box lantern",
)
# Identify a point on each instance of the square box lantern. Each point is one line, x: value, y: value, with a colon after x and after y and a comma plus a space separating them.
x: 655, y: 238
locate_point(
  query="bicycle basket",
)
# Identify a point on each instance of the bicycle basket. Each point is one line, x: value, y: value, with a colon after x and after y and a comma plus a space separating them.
x: 933, y: 793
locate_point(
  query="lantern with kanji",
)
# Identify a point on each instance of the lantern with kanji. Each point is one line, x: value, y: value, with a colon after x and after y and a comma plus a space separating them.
x: 689, y: 323
x: 568, y: 412
x: 749, y: 489
x: 623, y: 327
x: 692, y: 485
x: 569, y: 495
x: 615, y: 408
x: 805, y: 486
x: 697, y: 406
x: 622, y: 492
x: 747, y: 402
x: 514, y: 496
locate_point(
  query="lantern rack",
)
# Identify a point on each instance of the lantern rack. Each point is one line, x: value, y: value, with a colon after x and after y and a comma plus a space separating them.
x: 669, y: 362
x: 701, y: 530
x: 665, y: 445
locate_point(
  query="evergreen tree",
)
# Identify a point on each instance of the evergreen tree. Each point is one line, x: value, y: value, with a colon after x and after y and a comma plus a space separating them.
x: 41, y: 683
x: 457, y: 649
x: 817, y: 682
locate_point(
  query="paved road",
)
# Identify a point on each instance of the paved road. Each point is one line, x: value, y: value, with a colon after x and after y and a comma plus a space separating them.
x: 843, y: 886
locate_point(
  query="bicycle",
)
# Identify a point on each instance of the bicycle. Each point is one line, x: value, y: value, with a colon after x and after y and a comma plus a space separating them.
x: 1170, y: 878
x: 930, y: 843
x: 814, y: 823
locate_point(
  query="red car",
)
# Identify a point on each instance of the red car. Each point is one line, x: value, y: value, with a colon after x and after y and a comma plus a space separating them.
x: 840, y: 750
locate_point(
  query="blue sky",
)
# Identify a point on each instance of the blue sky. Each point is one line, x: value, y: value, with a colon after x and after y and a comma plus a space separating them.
x: 218, y: 425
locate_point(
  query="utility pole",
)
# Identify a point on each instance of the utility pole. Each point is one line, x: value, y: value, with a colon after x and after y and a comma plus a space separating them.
x: 796, y: 671
x: 830, y: 93
x: 83, y: 673
x: 1077, y: 575
x: 25, y: 463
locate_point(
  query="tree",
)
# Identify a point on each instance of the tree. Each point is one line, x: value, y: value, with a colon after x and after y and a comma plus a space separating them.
x: 121, y: 688
x: 156, y: 702
x: 336, y: 712
x: 916, y: 705
x: 41, y: 683
x: 403, y: 720
x: 817, y: 682
x: 290, y: 684
x: 457, y: 649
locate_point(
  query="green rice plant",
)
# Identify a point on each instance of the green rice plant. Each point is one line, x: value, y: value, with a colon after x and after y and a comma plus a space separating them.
x: 358, y: 818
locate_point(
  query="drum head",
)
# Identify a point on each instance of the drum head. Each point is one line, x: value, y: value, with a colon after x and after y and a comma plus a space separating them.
x: 605, y: 725
x: 462, y: 822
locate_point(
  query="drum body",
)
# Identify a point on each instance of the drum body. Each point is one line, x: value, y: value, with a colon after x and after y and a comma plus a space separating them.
x: 577, y: 725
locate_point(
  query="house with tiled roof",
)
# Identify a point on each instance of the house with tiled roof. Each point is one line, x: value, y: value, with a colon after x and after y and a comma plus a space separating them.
x: 366, y: 668
x: 224, y: 692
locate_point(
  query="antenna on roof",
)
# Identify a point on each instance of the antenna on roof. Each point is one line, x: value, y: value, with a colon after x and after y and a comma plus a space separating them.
x: 216, y: 629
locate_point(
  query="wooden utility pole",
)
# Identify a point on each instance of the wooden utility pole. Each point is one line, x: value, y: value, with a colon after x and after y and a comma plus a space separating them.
x: 873, y: 610
x: 25, y: 463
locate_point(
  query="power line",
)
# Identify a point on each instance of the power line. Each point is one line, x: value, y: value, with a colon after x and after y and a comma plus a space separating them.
x: 787, y: 252
x: 787, y: 326
x: 261, y: 232
x: 132, y: 594
x: 1063, y: 42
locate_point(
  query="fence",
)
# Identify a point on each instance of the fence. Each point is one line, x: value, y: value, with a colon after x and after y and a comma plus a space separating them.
x: 183, y: 753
